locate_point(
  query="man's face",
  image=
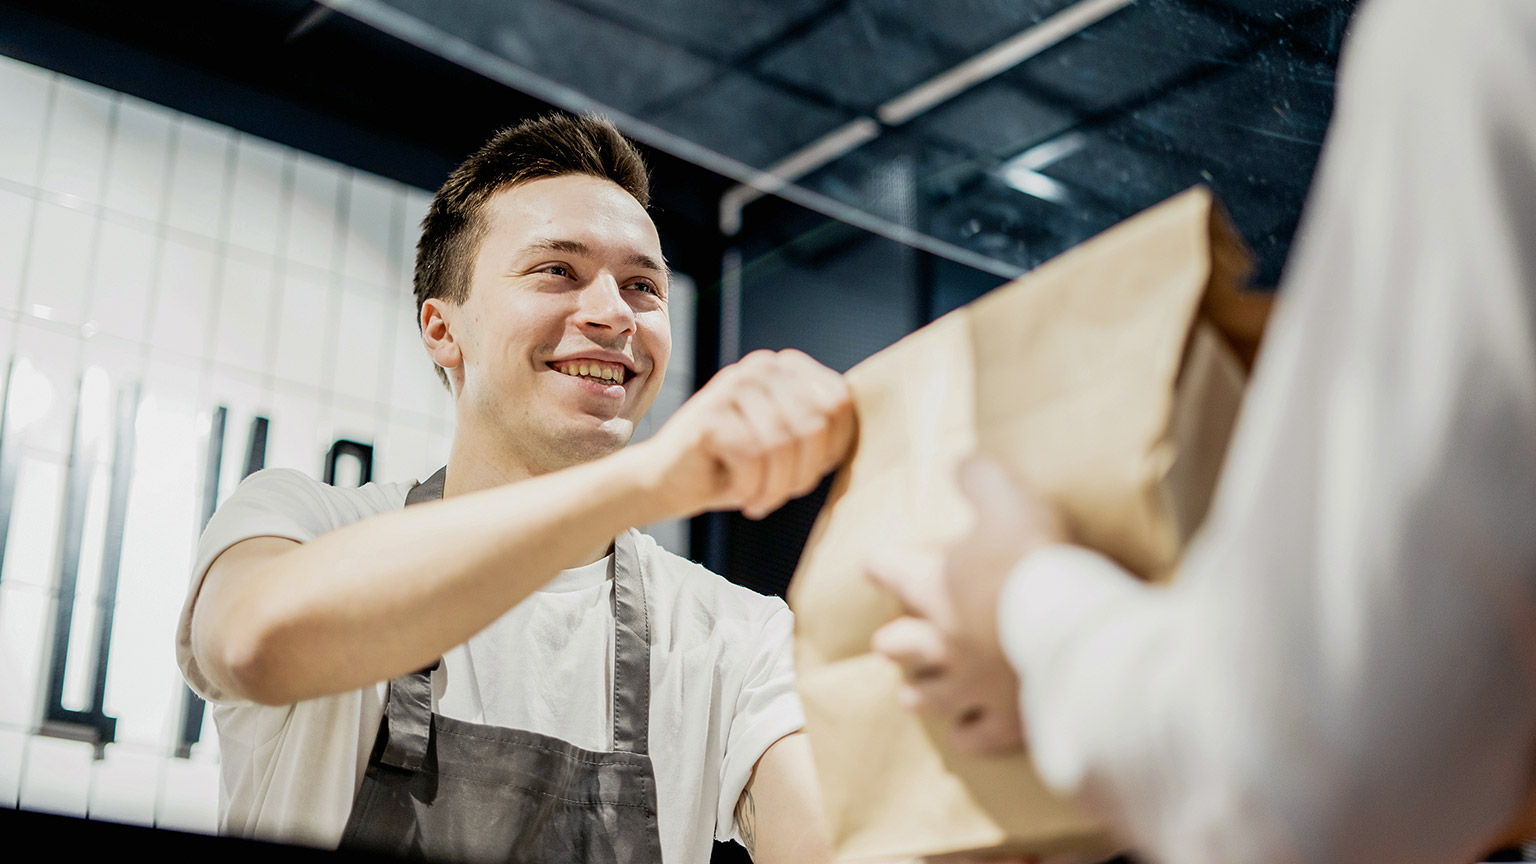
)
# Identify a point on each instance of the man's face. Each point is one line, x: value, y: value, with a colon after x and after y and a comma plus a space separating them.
x: 565, y: 335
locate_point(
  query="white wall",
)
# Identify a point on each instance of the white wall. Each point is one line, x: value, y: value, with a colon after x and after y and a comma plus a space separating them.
x: 140, y: 245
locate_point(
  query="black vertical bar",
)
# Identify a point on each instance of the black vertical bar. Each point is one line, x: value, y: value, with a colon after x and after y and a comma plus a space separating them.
x: 256, y: 447
x: 91, y: 724
x: 192, y: 705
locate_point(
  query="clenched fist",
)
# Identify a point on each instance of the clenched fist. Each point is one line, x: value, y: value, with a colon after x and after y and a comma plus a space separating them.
x: 762, y: 431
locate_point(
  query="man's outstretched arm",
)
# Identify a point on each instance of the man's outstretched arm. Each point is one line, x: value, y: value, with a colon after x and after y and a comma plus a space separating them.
x: 277, y: 621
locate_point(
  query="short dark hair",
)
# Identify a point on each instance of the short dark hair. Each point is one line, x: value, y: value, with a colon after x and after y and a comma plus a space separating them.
x: 549, y: 146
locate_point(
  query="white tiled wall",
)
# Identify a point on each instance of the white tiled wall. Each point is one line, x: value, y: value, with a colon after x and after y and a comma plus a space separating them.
x: 138, y: 244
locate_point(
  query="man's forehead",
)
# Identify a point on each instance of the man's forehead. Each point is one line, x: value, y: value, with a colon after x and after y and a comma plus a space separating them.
x: 576, y: 207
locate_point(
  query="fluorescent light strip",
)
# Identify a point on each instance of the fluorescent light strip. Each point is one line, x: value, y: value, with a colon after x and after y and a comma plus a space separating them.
x: 998, y: 59
x: 922, y: 98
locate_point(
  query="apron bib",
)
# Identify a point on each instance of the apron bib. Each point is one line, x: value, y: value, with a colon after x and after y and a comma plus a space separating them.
x: 445, y: 789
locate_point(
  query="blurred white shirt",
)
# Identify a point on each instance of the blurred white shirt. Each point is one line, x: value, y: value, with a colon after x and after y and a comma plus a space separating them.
x: 1345, y: 670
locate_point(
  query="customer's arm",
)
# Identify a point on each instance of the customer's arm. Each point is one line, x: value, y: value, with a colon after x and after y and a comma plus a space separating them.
x: 277, y: 621
x: 1346, y: 669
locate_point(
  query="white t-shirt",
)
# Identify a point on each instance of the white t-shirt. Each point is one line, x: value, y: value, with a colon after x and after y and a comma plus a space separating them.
x: 722, y: 682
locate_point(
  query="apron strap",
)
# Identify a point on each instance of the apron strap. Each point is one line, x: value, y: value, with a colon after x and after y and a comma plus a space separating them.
x: 631, y: 650
x: 408, y: 708
x: 408, y: 719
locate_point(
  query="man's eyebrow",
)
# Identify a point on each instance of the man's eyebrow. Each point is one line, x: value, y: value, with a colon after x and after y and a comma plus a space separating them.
x: 576, y: 247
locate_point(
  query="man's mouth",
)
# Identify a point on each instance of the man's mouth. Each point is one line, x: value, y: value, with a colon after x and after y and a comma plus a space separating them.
x: 593, y: 370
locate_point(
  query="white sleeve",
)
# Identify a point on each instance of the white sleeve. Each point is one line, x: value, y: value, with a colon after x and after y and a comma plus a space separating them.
x: 1346, y: 667
x: 767, y: 709
x: 276, y: 502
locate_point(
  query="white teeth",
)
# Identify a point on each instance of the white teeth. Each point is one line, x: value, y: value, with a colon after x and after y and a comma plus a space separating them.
x: 599, y: 371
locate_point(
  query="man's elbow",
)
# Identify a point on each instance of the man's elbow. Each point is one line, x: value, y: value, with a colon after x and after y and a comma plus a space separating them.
x: 244, y: 662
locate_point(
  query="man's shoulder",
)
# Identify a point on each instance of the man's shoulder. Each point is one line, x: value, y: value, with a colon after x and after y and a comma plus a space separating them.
x: 299, y: 496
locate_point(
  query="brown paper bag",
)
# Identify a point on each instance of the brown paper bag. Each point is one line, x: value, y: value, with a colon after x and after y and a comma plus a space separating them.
x: 1104, y: 380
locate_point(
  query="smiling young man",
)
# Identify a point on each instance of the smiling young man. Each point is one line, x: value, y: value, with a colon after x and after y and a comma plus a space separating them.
x: 492, y: 664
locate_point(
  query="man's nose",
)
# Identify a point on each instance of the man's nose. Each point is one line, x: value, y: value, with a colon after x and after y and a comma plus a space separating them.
x: 603, y: 306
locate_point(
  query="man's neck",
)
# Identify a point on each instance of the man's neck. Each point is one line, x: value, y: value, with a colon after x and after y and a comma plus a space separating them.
x: 475, y: 464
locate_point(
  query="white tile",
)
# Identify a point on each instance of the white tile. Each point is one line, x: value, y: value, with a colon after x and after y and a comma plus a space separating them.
x: 58, y: 266
x: 76, y: 149
x: 158, y: 534
x: 413, y: 385
x: 143, y: 683
x: 24, y: 92
x: 124, y: 272
x: 25, y: 611
x: 80, y: 655
x: 245, y: 315
x: 184, y: 295
x: 406, y: 451
x: 137, y: 165
x: 363, y: 344
x: 118, y: 786
x: 46, y: 404
x: 56, y: 776
x: 312, y: 216
x: 351, y: 423
x: 189, y: 797
x: 413, y: 209
x: 295, y: 438
x: 255, y: 209
x: 13, y: 743
x: 197, y: 180
x: 367, y: 252
x: 15, y: 236
x: 160, y: 530
x: 306, y: 334
x: 31, y: 545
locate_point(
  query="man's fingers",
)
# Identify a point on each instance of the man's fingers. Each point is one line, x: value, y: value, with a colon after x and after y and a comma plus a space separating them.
x: 733, y: 443
x: 776, y: 446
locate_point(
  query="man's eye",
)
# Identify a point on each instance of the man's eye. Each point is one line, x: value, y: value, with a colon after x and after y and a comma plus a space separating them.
x: 646, y: 286
x: 557, y: 270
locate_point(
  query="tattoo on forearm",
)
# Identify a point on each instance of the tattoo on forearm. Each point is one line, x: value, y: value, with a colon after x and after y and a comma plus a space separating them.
x: 746, y: 821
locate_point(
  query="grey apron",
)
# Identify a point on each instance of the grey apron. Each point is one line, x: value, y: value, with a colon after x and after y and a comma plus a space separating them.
x: 448, y: 790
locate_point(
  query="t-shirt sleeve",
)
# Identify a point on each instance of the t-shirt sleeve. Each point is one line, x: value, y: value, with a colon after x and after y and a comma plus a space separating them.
x: 276, y: 502
x: 767, y: 708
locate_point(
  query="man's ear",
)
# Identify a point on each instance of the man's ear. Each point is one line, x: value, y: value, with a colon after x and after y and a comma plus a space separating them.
x: 437, y: 333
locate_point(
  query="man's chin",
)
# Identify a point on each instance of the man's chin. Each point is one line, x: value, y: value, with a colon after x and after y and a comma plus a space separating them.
x: 590, y: 443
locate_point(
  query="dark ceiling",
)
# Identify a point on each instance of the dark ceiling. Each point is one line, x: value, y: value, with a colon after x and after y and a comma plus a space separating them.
x: 1090, y: 111
x: 1094, y: 109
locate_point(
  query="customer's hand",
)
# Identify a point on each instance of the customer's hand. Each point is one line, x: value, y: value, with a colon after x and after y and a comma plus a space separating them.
x: 947, y: 642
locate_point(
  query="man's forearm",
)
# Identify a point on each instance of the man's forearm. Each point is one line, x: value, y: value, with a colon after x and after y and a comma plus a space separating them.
x: 389, y: 594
